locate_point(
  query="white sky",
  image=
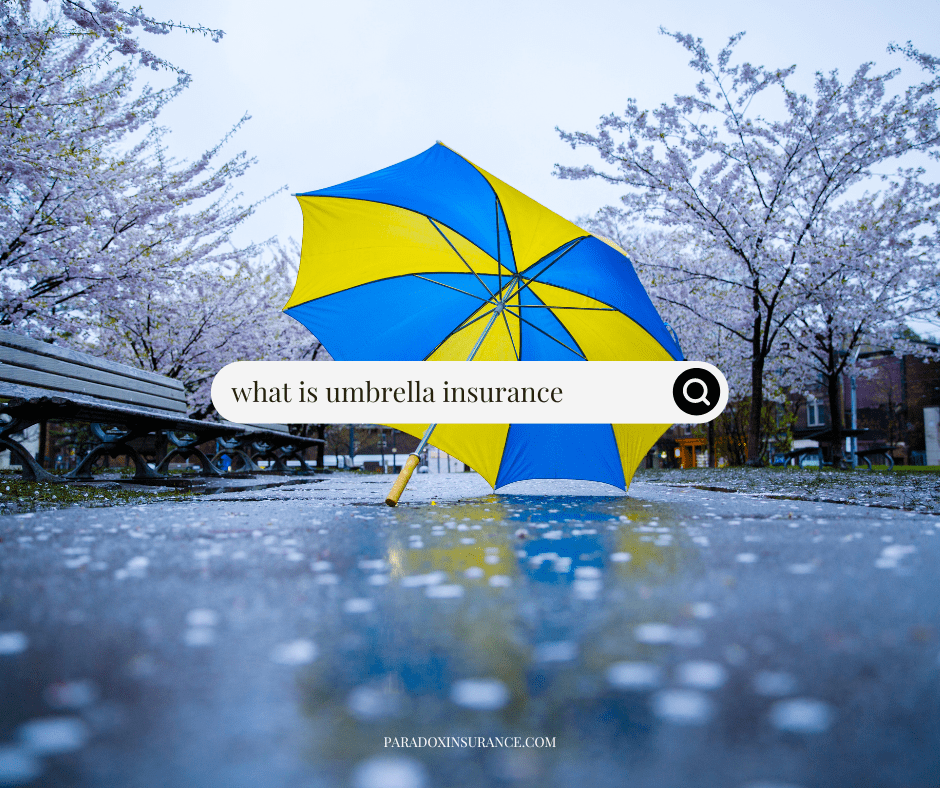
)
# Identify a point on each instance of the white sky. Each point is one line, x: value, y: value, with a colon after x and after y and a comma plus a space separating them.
x: 340, y: 89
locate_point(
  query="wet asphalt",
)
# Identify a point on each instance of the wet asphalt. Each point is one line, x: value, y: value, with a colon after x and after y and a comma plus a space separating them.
x: 308, y: 635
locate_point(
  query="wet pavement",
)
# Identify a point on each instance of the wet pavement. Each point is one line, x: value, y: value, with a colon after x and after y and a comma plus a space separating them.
x: 309, y: 635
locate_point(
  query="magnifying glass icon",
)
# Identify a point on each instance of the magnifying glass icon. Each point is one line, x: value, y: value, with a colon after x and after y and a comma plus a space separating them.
x: 703, y: 399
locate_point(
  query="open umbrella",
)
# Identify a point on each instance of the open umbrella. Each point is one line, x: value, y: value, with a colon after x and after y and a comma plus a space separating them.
x: 436, y: 259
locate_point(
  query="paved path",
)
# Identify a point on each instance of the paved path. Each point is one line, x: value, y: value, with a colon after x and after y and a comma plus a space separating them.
x: 279, y: 637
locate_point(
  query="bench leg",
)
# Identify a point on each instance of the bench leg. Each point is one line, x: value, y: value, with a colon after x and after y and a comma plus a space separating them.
x: 271, y: 454
x: 249, y: 465
x: 32, y: 471
x: 142, y: 469
x: 208, y: 468
x: 295, y: 455
x: 867, y: 462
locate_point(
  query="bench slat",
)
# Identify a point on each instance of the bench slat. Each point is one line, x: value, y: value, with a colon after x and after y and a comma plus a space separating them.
x: 36, y: 347
x: 89, y: 408
x: 54, y: 382
x: 74, y: 377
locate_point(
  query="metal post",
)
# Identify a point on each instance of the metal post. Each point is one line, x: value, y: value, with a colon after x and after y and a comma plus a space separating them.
x: 854, y: 439
x: 352, y: 445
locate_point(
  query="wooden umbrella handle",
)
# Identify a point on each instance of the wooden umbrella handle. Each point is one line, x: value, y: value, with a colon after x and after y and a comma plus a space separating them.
x: 402, y: 481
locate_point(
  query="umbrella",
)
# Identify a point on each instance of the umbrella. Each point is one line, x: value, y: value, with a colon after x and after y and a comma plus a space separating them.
x: 435, y: 259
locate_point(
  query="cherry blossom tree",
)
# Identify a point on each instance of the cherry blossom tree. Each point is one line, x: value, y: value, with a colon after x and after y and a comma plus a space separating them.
x: 750, y: 193
x: 106, y: 241
x: 872, y: 268
x: 86, y: 209
x: 100, y: 20
x: 207, y: 318
x: 703, y: 312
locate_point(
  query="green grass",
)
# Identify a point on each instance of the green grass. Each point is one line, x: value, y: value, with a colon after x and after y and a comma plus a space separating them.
x: 18, y: 496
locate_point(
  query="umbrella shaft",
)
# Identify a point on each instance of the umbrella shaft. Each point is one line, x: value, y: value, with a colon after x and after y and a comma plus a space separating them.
x: 425, y: 439
x: 486, y: 331
x: 476, y: 347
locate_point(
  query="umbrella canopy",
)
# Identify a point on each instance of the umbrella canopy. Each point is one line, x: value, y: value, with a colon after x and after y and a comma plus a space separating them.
x: 436, y: 259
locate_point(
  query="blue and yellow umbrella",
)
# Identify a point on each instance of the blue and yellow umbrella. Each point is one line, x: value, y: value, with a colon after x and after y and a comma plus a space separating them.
x: 436, y: 259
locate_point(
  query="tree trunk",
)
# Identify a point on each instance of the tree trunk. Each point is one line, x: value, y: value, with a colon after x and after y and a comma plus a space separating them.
x: 836, y: 414
x: 757, y: 405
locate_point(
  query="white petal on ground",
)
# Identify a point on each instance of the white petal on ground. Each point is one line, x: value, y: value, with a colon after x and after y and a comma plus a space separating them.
x: 480, y: 694
x: 500, y: 581
x: 371, y: 703
x: 390, y: 771
x: 801, y: 569
x: 359, y: 605
x: 802, y: 715
x: 444, y: 592
x: 634, y: 675
x: 560, y: 651
x: 587, y: 572
x: 703, y: 609
x: 702, y: 674
x: 774, y: 684
x: 13, y: 642
x: 199, y: 636
x: 892, y: 554
x: 682, y: 707
x: 54, y: 735
x: 18, y: 766
x: 430, y: 579
x: 473, y: 573
x: 620, y: 558
x: 655, y: 633
x: 587, y: 588
x: 294, y: 652
x: 745, y: 558
x: 202, y: 617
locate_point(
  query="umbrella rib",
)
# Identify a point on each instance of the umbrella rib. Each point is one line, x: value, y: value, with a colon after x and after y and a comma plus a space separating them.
x: 577, y: 353
x: 509, y: 331
x: 449, y: 287
x: 464, y: 324
x: 572, y: 245
x: 622, y: 312
x: 582, y: 308
x: 499, y: 251
x: 469, y: 267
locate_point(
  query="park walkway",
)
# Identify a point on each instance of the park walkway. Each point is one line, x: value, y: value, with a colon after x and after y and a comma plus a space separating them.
x: 308, y: 635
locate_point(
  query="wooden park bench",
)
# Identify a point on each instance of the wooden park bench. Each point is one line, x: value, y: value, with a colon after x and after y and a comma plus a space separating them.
x: 43, y: 382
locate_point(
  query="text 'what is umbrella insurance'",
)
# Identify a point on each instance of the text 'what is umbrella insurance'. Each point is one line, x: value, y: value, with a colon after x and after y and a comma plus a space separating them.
x: 478, y: 392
